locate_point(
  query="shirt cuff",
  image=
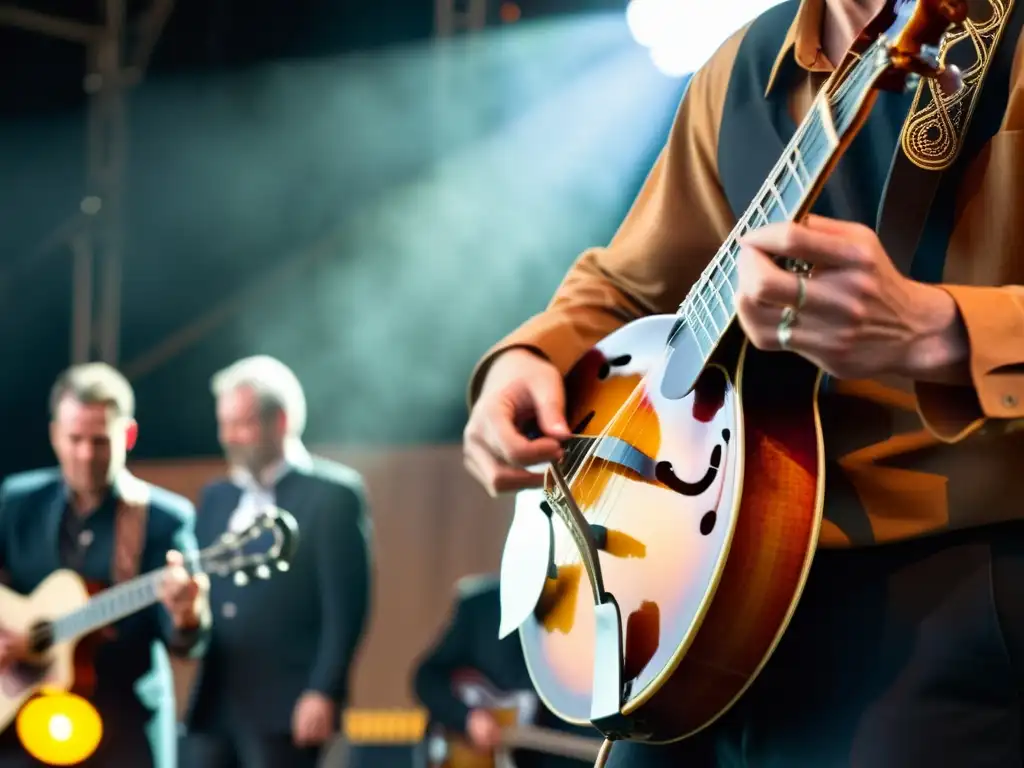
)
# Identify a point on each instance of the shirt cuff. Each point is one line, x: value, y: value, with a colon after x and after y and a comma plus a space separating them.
x: 994, y: 320
x: 182, y: 641
x: 548, y: 335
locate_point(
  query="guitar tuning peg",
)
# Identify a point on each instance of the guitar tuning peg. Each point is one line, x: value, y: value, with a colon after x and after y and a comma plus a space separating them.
x: 282, y: 566
x: 262, y: 572
x: 241, y: 579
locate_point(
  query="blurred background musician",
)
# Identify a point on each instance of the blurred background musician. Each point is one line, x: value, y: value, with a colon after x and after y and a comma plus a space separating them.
x: 277, y: 675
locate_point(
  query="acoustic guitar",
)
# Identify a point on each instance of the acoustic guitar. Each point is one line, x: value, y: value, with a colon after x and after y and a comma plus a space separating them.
x: 512, y: 711
x: 66, y: 625
x: 656, y: 571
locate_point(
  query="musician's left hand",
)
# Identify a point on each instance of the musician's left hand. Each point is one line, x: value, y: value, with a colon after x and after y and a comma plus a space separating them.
x: 860, y: 316
x: 181, y: 594
x: 313, y: 719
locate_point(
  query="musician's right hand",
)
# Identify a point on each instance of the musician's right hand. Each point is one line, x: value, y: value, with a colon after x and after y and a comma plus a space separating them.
x: 483, y: 730
x: 520, y: 387
x: 13, y: 649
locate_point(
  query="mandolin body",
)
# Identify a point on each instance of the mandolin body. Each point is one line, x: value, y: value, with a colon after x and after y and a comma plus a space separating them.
x: 711, y: 503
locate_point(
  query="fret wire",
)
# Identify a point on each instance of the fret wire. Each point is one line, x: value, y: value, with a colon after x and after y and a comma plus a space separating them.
x: 696, y: 316
x: 802, y: 161
x: 710, y: 315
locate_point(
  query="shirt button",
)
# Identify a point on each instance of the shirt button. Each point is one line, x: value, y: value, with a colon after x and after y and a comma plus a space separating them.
x: 85, y: 538
x: 1010, y: 401
x: 228, y: 610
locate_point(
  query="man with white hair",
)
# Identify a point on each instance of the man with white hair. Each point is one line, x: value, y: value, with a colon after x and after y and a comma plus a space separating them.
x: 277, y: 673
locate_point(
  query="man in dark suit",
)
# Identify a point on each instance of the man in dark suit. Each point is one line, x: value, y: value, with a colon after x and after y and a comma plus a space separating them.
x: 470, y: 644
x: 73, y: 517
x: 277, y: 673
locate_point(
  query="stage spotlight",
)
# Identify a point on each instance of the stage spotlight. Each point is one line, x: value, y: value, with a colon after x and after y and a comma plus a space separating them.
x: 682, y: 34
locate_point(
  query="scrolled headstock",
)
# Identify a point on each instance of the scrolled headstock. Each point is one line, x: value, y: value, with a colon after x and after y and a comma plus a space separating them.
x: 917, y: 42
x: 911, y: 40
x: 242, y: 554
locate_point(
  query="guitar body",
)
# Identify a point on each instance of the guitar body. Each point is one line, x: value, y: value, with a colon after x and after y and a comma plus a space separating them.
x: 60, y: 593
x: 514, y: 713
x: 477, y: 692
x: 711, y: 505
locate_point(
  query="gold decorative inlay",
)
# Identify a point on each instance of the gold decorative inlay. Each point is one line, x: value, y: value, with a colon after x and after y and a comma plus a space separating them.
x: 933, y: 134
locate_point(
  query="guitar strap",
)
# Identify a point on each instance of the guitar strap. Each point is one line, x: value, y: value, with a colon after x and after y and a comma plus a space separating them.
x: 942, y: 134
x: 129, y: 528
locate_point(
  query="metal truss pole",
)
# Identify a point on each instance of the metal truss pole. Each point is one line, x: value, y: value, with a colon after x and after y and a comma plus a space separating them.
x: 451, y: 63
x: 96, y: 236
x: 454, y: 16
x: 107, y: 148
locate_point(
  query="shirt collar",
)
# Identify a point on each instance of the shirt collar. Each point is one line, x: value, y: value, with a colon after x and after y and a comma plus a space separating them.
x: 269, y: 476
x: 803, y: 41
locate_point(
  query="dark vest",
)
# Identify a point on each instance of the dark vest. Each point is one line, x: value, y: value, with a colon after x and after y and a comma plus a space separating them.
x: 755, y: 130
x: 753, y: 135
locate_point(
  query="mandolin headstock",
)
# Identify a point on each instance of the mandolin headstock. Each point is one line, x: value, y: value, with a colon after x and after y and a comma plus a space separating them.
x: 910, y: 33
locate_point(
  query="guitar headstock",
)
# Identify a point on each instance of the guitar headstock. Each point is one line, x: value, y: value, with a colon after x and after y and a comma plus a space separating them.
x: 243, y: 554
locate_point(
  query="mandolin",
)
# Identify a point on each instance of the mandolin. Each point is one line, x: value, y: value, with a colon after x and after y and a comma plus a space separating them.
x: 512, y: 711
x: 677, y: 532
x: 65, y: 624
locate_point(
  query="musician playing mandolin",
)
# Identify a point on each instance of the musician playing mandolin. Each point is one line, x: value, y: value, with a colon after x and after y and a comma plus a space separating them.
x: 907, y: 648
x: 70, y: 518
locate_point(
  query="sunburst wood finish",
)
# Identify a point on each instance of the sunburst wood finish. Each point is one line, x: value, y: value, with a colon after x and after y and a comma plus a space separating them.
x: 671, y: 547
x: 699, y: 466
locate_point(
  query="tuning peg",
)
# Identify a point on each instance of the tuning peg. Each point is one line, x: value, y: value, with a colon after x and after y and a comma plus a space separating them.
x: 241, y: 579
x: 282, y: 566
x: 262, y: 572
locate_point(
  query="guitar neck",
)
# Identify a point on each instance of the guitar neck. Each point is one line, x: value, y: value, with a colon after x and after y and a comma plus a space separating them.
x: 110, y: 606
x: 550, y: 742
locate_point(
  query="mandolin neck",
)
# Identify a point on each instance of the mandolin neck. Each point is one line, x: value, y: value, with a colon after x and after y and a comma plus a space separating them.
x: 789, y: 191
x: 109, y: 606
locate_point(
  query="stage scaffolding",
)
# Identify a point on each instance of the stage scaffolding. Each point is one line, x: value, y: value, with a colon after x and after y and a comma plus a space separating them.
x: 452, y: 17
x: 117, y: 55
x: 94, y: 235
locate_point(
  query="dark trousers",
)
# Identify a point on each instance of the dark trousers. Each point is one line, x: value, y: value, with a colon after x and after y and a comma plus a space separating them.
x: 899, y: 656
x: 240, y: 750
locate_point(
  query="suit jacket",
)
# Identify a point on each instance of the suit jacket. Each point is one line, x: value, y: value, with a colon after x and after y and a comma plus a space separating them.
x: 134, y: 687
x: 471, y: 642
x: 298, y: 631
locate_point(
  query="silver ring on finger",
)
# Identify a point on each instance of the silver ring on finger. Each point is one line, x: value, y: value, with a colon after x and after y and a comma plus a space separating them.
x: 784, y: 333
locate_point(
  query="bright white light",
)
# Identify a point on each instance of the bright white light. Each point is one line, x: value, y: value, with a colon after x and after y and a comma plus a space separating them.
x: 643, y: 19
x: 60, y: 727
x: 671, y: 61
x: 683, y: 34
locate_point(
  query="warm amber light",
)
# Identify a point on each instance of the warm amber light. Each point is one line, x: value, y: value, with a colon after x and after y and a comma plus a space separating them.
x: 59, y: 728
x: 510, y: 12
